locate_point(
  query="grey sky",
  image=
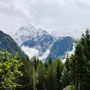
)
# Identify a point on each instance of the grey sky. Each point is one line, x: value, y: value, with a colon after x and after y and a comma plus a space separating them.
x: 48, y: 14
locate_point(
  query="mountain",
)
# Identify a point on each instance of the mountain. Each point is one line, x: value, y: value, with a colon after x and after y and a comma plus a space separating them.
x: 60, y: 47
x: 33, y: 41
x: 24, y: 33
x: 40, y: 43
x: 7, y: 43
x: 29, y: 32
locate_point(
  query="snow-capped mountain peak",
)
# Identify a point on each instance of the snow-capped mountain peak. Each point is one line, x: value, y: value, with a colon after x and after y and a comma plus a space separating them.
x: 28, y: 32
x: 38, y: 42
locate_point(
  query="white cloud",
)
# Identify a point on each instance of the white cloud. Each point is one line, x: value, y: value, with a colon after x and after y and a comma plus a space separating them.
x: 44, y: 13
x: 44, y: 56
x: 34, y: 52
x: 87, y: 2
x: 30, y: 51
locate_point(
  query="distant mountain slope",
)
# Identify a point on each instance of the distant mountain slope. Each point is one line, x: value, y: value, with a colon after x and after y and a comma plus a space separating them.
x: 60, y: 47
x: 41, y: 44
x: 29, y: 32
x: 7, y: 43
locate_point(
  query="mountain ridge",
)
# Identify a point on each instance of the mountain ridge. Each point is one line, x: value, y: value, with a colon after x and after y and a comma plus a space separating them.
x: 38, y: 42
x: 8, y: 43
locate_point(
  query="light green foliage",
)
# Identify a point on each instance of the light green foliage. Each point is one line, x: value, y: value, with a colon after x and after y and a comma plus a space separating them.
x: 9, y: 70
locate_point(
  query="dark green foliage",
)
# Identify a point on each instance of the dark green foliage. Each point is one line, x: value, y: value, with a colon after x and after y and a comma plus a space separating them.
x: 27, y: 80
x: 80, y: 63
x: 58, y: 78
x: 51, y: 78
x: 77, y: 68
x: 46, y: 65
x: 66, y: 79
x: 41, y: 78
x: 50, y: 61
x: 82, y: 55
x: 67, y: 64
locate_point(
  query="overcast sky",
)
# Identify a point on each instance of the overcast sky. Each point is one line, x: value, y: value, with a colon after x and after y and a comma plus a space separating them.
x: 48, y: 14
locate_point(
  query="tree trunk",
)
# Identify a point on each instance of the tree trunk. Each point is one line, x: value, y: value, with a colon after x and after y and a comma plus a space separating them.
x: 33, y: 78
x: 79, y: 82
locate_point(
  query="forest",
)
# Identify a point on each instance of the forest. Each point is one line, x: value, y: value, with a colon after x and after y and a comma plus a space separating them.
x: 21, y: 73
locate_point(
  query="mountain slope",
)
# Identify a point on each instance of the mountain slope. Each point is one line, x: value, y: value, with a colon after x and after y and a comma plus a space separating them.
x: 60, y: 47
x: 40, y: 42
x: 37, y: 42
x: 28, y: 32
x: 7, y: 43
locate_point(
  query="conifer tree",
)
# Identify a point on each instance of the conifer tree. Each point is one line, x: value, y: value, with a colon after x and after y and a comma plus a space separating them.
x: 58, y: 77
x: 50, y: 61
x: 51, y: 78
x: 67, y: 63
x: 41, y: 77
x: 80, y: 64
